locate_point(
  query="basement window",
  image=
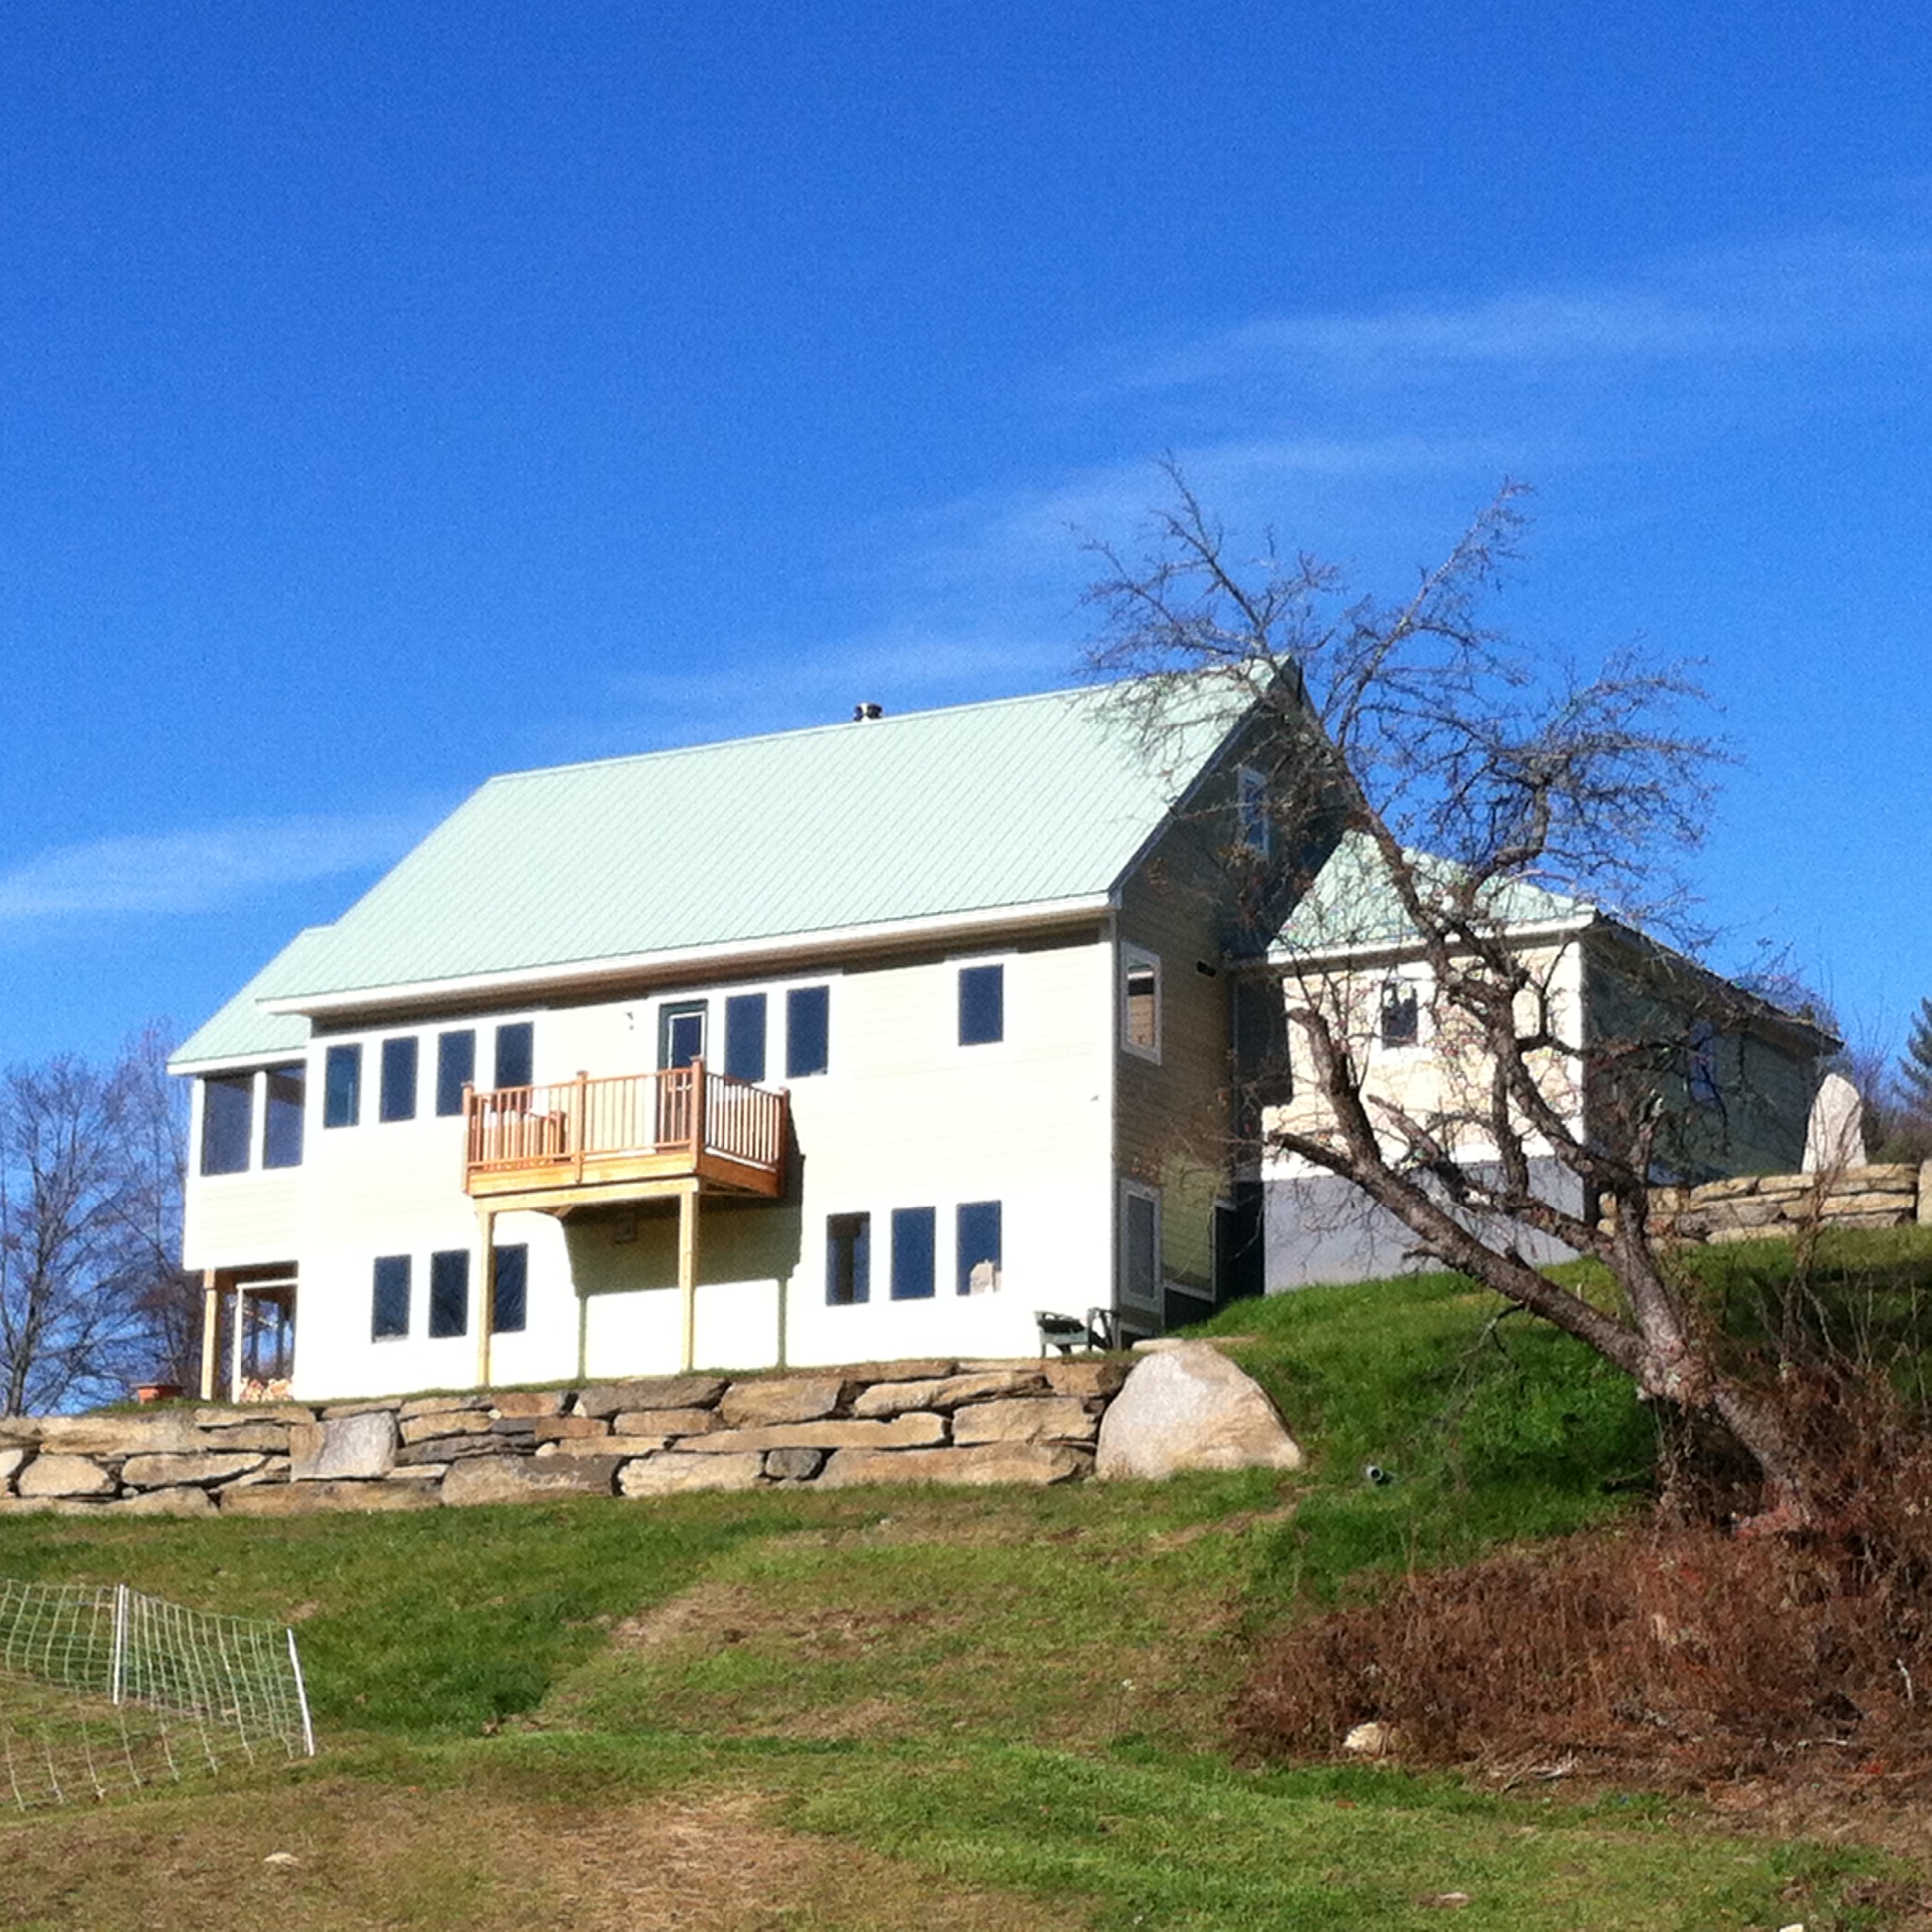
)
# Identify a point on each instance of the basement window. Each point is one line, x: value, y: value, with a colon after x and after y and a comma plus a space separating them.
x: 914, y: 1235
x: 511, y: 1298
x: 449, y: 1294
x: 978, y: 1247
x: 391, y: 1315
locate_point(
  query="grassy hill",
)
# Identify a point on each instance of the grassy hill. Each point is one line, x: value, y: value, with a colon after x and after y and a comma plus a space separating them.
x: 925, y: 1708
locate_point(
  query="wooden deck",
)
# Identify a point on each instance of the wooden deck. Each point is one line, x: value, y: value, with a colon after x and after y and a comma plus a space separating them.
x: 579, y: 1143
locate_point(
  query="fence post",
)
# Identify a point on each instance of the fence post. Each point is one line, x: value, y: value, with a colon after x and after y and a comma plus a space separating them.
x: 118, y: 1657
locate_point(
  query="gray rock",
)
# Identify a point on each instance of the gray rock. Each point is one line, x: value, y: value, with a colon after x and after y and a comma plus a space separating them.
x: 117, y: 1435
x: 653, y: 1392
x: 665, y: 1422
x: 1834, y: 1137
x: 667, y: 1475
x: 446, y: 1422
x: 528, y: 1403
x: 980, y: 1465
x: 507, y: 1480
x: 58, y: 1475
x: 947, y: 1392
x: 1039, y: 1418
x: 783, y: 1398
x: 314, y: 1498
x: 171, y: 1471
x: 344, y: 1447
x: 794, y: 1465
x: 1192, y: 1408
x: 165, y: 1502
x: 903, y: 1432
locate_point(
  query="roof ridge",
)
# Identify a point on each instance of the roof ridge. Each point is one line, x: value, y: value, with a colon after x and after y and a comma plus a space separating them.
x: 795, y: 734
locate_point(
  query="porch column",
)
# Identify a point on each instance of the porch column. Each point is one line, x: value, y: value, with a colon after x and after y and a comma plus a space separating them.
x: 688, y: 1273
x: 486, y: 1296
x: 211, y: 1330
x: 235, y: 1351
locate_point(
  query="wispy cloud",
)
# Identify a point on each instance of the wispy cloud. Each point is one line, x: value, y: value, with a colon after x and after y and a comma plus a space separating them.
x: 197, y: 870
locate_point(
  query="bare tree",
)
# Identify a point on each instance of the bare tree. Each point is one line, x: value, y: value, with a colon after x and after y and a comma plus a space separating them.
x: 90, y: 1181
x: 1463, y: 788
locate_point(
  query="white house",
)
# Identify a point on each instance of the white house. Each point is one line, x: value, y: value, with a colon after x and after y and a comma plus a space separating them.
x: 1729, y: 1077
x: 872, y: 1041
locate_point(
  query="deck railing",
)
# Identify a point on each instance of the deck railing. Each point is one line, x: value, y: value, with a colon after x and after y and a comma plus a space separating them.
x: 561, y: 1125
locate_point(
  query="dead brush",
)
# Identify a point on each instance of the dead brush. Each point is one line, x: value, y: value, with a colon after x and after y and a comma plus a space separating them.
x: 1673, y: 1652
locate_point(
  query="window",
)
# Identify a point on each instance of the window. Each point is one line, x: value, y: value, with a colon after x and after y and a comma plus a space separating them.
x: 848, y: 1259
x: 288, y: 1097
x: 1140, y: 1003
x: 744, y: 1036
x: 455, y: 1067
x: 1139, y: 1246
x: 398, y: 1101
x: 680, y: 1032
x: 982, y: 1005
x: 807, y: 1031
x: 391, y: 1316
x: 1251, y: 809
x: 977, y: 1249
x: 342, y: 1086
x: 512, y: 1290
x: 227, y: 1122
x: 913, y: 1238
x: 449, y: 1294
x: 515, y: 1041
x: 1401, y: 1015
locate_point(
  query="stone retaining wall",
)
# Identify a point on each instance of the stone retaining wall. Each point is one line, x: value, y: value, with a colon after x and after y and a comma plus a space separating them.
x: 929, y: 1421
x: 1762, y: 1206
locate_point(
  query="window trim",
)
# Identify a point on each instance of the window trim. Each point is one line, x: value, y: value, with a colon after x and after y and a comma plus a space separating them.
x: 1134, y: 960
x: 670, y: 1012
x: 1254, y: 829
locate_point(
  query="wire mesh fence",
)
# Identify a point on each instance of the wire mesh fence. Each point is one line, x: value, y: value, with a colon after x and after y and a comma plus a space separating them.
x: 104, y: 1689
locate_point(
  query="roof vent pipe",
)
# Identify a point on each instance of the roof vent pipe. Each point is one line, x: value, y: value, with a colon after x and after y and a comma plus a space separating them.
x: 867, y: 710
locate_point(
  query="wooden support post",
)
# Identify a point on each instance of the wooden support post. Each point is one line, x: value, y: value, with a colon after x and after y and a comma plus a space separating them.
x: 211, y: 1330
x: 688, y: 1275
x: 234, y: 1345
x: 486, y: 1297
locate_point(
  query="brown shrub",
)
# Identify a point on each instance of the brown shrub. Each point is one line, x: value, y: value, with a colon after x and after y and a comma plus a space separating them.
x: 1673, y: 1652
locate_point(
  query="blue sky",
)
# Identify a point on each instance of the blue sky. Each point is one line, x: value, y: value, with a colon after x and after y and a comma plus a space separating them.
x: 390, y: 395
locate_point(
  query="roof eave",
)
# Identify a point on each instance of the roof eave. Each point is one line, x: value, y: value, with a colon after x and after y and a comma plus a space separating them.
x: 587, y: 975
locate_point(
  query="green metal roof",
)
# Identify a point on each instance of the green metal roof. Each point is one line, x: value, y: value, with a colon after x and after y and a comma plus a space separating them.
x: 1018, y: 803
x: 1352, y: 906
x: 241, y: 1029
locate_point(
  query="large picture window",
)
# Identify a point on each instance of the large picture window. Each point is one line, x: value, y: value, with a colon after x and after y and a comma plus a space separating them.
x: 281, y: 1144
x: 227, y: 1122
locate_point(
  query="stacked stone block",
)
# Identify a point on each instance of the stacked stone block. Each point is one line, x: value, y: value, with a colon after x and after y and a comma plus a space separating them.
x: 1763, y: 1207
x: 922, y: 1421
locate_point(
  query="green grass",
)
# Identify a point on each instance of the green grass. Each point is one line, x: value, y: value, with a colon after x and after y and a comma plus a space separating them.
x: 939, y: 1707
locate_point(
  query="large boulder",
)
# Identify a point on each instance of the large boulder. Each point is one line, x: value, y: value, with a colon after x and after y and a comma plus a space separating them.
x: 1188, y: 1408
